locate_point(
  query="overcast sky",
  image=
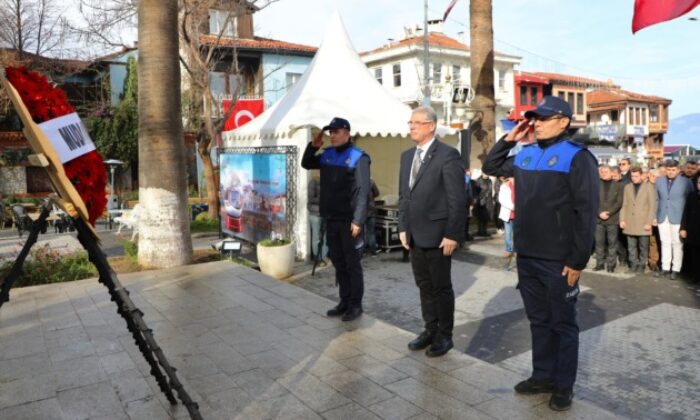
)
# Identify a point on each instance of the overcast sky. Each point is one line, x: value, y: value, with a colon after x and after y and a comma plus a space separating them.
x: 591, y: 38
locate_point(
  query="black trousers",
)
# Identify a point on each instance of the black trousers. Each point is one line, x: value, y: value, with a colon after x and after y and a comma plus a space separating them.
x: 550, y: 305
x: 346, y: 254
x: 606, y: 235
x: 638, y: 249
x: 433, y: 274
x: 622, y: 248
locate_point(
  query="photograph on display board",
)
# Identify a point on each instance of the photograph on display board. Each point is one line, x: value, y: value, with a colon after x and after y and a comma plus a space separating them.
x: 253, y: 196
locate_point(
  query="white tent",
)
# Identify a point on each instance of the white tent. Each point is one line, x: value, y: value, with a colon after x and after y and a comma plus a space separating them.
x: 336, y: 84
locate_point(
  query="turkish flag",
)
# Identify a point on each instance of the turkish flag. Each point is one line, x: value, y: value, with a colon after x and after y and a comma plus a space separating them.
x: 651, y: 12
x: 244, y: 111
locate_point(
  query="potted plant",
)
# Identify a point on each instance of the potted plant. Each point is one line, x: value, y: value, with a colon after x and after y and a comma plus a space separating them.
x: 276, y: 257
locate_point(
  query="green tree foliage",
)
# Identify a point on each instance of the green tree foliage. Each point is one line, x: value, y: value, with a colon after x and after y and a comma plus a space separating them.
x: 115, y: 130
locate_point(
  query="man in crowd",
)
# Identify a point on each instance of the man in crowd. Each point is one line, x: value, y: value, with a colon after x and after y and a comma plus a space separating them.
x: 615, y: 173
x: 606, y: 232
x: 556, y: 202
x: 672, y: 191
x: 315, y: 221
x: 343, y: 205
x: 654, y: 240
x: 690, y: 170
x: 484, y: 204
x: 470, y: 187
x: 636, y: 218
x: 370, y: 234
x: 625, y: 166
x: 431, y: 226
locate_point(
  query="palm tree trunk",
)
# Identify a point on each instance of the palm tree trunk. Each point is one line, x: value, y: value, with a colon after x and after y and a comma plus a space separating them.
x: 164, y: 229
x: 481, y: 38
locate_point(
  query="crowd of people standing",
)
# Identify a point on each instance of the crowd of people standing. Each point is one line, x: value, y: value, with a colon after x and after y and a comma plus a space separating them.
x: 645, y: 217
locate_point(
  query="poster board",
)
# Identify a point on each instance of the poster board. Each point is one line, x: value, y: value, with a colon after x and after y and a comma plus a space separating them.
x: 257, y: 190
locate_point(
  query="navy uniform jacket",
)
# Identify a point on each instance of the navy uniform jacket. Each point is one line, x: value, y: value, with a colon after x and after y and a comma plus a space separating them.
x: 345, y: 186
x: 556, y: 198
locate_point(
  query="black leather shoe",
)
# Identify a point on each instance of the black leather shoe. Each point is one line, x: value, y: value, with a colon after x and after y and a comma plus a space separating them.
x: 611, y: 269
x: 338, y: 310
x: 352, y: 313
x: 640, y: 269
x: 561, y: 399
x: 532, y: 386
x: 422, y: 341
x: 661, y: 273
x: 598, y: 267
x: 440, y: 346
x: 673, y: 275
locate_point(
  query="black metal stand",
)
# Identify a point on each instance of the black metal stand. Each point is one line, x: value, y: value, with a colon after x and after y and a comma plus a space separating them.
x: 143, y: 336
x: 16, y: 269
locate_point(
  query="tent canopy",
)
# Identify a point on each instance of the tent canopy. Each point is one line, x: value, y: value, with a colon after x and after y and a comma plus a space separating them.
x: 336, y: 83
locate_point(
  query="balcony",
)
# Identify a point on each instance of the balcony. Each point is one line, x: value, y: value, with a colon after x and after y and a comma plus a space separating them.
x: 658, y: 127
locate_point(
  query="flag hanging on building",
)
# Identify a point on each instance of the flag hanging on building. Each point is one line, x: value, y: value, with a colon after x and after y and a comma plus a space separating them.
x: 651, y: 12
x: 449, y: 9
x: 243, y: 112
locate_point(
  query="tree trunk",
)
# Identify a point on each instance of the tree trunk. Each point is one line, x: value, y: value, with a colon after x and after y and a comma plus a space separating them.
x: 204, y: 148
x: 164, y: 228
x: 483, y: 126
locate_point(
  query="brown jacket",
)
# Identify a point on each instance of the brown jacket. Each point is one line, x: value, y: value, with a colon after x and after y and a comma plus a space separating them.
x: 638, y: 210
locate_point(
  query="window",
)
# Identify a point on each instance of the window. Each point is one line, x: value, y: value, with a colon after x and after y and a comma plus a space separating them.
x: 579, y: 103
x: 533, y: 95
x: 637, y: 116
x: 562, y: 95
x: 570, y: 100
x: 523, y: 95
x: 501, y: 79
x: 644, y: 116
x: 654, y: 113
x: 378, y: 74
x: 456, y: 77
x: 217, y: 20
x: 614, y: 117
x: 437, y: 73
x: 397, y: 74
x: 292, y: 78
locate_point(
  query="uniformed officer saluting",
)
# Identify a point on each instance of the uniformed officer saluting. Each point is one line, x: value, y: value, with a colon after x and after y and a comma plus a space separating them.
x: 556, y: 204
x: 343, y: 205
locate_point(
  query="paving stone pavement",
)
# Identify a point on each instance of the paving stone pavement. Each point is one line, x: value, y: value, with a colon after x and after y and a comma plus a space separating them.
x: 246, y: 347
x: 643, y: 369
x: 645, y: 365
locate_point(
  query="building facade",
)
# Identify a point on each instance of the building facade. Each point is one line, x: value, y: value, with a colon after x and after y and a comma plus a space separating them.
x: 629, y: 121
x: 399, y: 67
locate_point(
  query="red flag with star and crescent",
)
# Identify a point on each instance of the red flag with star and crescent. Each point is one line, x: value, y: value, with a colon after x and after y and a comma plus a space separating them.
x: 244, y: 111
x: 651, y: 12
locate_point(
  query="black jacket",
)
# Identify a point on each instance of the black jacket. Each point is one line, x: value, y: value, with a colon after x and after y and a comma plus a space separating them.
x: 691, y: 219
x: 556, y: 198
x: 434, y: 208
x: 345, y: 187
x: 611, y: 194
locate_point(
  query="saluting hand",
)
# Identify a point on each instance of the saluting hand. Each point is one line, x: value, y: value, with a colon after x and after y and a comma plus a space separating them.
x: 318, y: 140
x: 520, y: 131
x: 571, y: 275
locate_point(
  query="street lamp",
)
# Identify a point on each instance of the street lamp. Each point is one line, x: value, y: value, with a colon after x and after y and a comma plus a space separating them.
x: 112, y: 163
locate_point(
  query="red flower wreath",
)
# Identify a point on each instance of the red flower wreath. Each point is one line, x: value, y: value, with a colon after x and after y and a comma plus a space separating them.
x: 46, y: 102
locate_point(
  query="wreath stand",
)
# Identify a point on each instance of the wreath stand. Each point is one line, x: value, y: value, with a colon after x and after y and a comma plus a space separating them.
x: 69, y: 201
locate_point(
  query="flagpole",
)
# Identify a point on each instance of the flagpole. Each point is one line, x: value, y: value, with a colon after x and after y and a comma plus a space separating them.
x: 426, y: 61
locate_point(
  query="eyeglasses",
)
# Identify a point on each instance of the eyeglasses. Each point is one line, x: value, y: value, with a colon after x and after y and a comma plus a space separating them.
x: 550, y: 118
x: 418, y: 122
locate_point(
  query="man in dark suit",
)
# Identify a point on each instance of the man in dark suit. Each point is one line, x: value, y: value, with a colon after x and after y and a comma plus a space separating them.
x: 431, y: 224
